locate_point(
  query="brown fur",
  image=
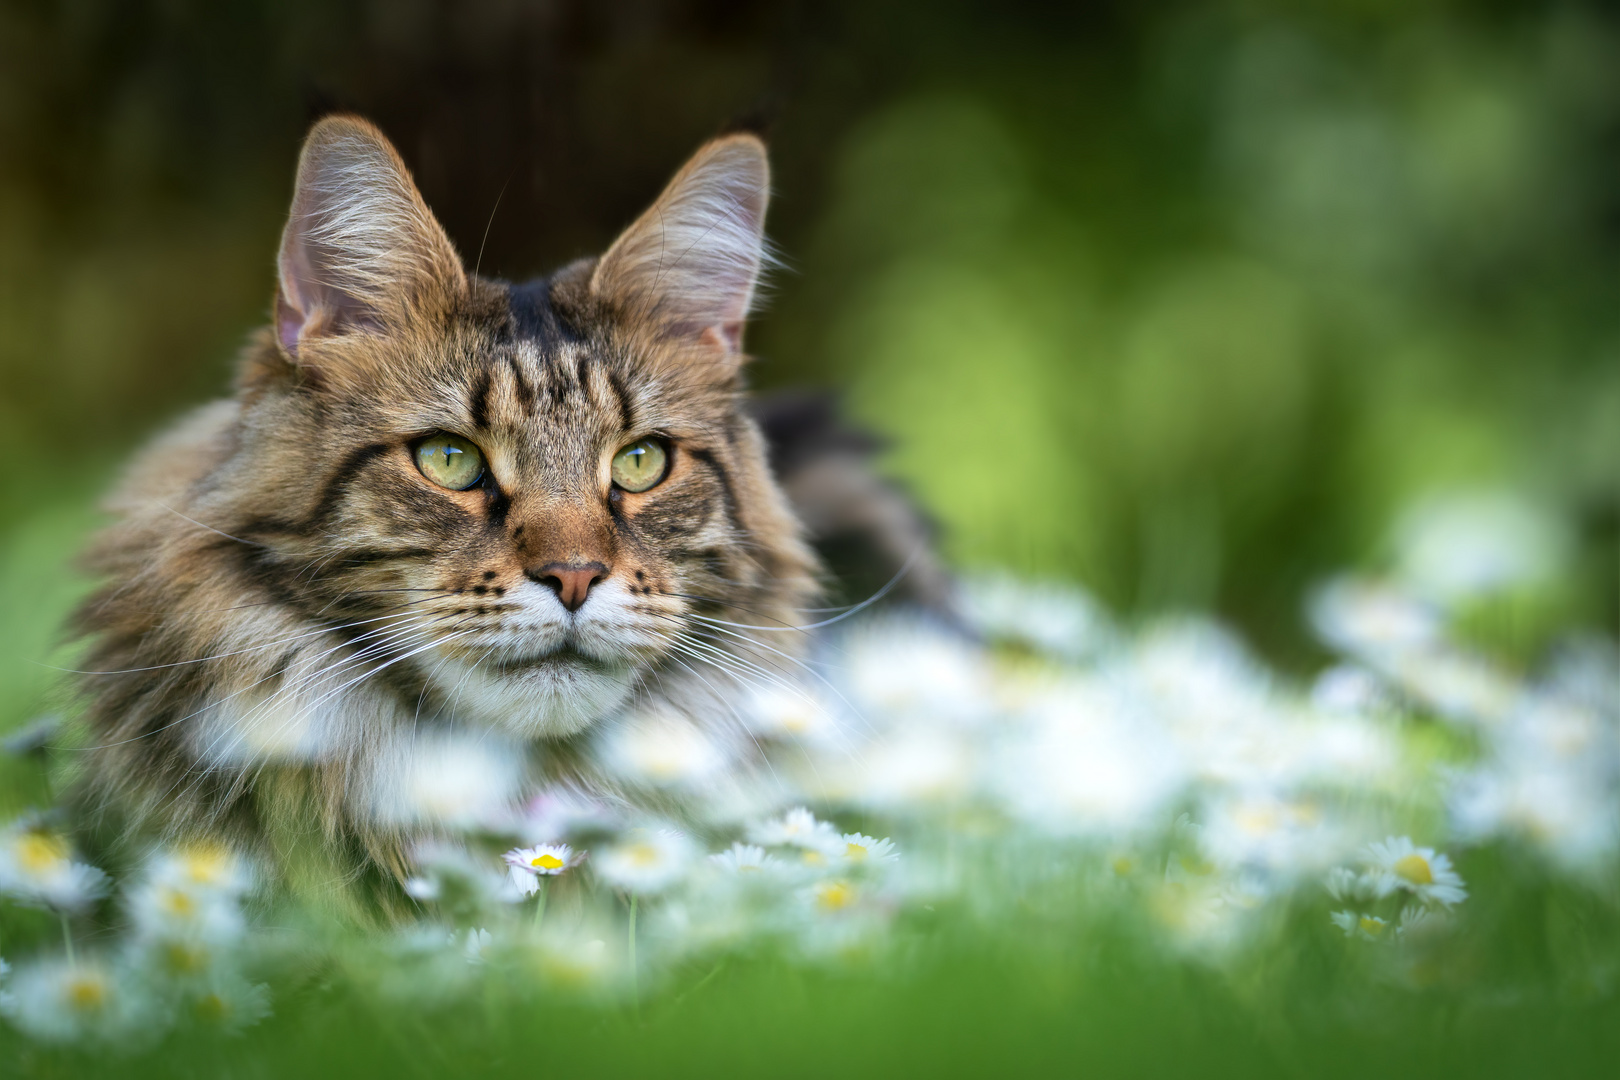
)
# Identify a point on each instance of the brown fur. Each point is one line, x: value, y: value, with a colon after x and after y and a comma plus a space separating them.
x: 272, y: 536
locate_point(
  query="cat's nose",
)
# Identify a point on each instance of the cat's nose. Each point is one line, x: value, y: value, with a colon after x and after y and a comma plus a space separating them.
x: 570, y: 581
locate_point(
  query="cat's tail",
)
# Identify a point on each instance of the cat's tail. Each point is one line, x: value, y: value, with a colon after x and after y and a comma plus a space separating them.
x: 866, y: 528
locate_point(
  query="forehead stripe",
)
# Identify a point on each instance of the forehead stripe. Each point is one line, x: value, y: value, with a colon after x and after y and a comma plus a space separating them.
x: 533, y: 317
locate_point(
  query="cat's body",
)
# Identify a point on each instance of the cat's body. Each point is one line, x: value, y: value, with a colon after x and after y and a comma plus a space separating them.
x: 295, y: 611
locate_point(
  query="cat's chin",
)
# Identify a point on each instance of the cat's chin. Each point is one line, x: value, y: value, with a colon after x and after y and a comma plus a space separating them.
x: 551, y: 696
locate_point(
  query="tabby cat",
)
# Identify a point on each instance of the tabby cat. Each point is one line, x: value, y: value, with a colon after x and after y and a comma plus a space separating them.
x: 440, y: 503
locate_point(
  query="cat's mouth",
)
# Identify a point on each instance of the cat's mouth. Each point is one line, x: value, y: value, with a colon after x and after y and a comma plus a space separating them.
x: 563, y: 657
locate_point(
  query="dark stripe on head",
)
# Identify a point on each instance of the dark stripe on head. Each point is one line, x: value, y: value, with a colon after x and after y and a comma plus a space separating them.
x: 339, y: 482
x: 707, y: 458
x: 627, y: 409
x: 478, y: 407
x: 520, y: 382
x: 533, y: 317
x: 580, y: 374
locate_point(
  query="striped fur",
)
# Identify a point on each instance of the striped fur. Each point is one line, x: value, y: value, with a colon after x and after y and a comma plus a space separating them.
x: 291, y: 609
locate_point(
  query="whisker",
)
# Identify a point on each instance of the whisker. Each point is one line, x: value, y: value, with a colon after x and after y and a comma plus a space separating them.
x: 863, y: 605
x: 235, y: 652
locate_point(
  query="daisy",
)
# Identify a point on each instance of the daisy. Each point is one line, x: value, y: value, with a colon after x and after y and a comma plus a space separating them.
x: 646, y: 860
x: 1354, y: 924
x: 1398, y: 864
x: 865, y: 851
x: 797, y: 828
x: 1369, y: 619
x: 231, y: 1004
x: 37, y: 867
x: 439, y: 778
x: 1349, y: 887
x: 202, y: 867
x: 573, y: 959
x: 169, y: 912
x: 474, y: 944
x: 662, y: 750
x: 742, y: 858
x: 789, y: 713
x: 66, y: 1001
x: 1049, y: 616
x: 450, y: 875
x: 831, y: 897
x: 530, y: 864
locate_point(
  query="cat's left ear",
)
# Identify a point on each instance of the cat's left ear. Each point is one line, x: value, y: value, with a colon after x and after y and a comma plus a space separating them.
x: 361, y: 253
x: 691, y: 263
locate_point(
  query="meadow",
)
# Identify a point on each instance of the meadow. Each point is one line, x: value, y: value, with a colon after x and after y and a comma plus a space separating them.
x: 1258, y: 362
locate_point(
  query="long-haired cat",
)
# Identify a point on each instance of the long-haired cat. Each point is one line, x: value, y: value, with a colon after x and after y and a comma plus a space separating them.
x: 437, y: 504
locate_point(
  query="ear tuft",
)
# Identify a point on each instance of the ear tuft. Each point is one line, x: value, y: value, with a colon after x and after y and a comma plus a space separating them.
x: 361, y: 251
x: 691, y: 263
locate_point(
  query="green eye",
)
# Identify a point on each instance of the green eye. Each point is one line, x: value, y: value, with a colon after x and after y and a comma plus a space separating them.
x: 450, y: 461
x: 640, y: 465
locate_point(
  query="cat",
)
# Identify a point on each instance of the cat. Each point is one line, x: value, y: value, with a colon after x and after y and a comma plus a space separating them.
x: 439, y: 503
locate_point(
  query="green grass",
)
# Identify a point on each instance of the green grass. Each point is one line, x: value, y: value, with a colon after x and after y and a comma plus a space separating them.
x: 1063, y: 982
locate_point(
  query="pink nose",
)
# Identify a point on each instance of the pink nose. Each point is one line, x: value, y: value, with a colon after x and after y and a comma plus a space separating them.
x: 570, y: 581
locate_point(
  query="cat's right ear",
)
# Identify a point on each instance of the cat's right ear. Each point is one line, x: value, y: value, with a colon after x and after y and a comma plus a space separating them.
x: 361, y: 253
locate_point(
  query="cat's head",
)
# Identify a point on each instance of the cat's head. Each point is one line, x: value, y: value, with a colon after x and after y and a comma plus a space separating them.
x: 521, y: 500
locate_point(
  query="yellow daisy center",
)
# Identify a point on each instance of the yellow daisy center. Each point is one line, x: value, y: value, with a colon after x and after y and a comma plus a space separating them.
x: 814, y: 858
x: 184, y: 959
x: 204, y: 865
x: 835, y: 895
x: 643, y: 854
x: 178, y: 903
x: 39, y: 852
x: 855, y: 852
x: 212, y: 1009
x: 546, y: 861
x: 1370, y: 926
x: 86, y: 993
x: 1415, y: 869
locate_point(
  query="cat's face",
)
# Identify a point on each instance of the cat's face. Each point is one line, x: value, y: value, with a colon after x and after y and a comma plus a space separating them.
x: 515, y: 502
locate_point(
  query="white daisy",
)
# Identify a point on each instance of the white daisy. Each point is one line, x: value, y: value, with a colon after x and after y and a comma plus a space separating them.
x: 37, y: 867
x: 474, y: 944
x: 834, y: 896
x: 866, y: 851
x: 575, y: 959
x: 530, y: 864
x: 447, y: 779
x: 451, y: 876
x: 1461, y: 546
x: 558, y: 812
x: 742, y: 858
x: 230, y: 1004
x: 646, y: 860
x: 788, y: 712
x: 661, y: 749
x: 162, y: 909
x: 797, y: 828
x: 202, y: 867
x: 63, y: 1001
x: 1358, y: 925
x: 1051, y: 616
x: 1349, y: 887
x: 1370, y: 619
x: 1398, y: 864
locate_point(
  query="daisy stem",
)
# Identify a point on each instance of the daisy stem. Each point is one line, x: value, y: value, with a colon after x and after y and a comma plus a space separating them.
x: 635, y: 993
x: 540, y: 903
x: 67, y: 936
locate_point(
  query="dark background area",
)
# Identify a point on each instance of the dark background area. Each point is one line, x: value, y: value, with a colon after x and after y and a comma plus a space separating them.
x: 1184, y: 301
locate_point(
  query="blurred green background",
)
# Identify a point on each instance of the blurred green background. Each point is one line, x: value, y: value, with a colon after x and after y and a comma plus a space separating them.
x: 1181, y: 300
